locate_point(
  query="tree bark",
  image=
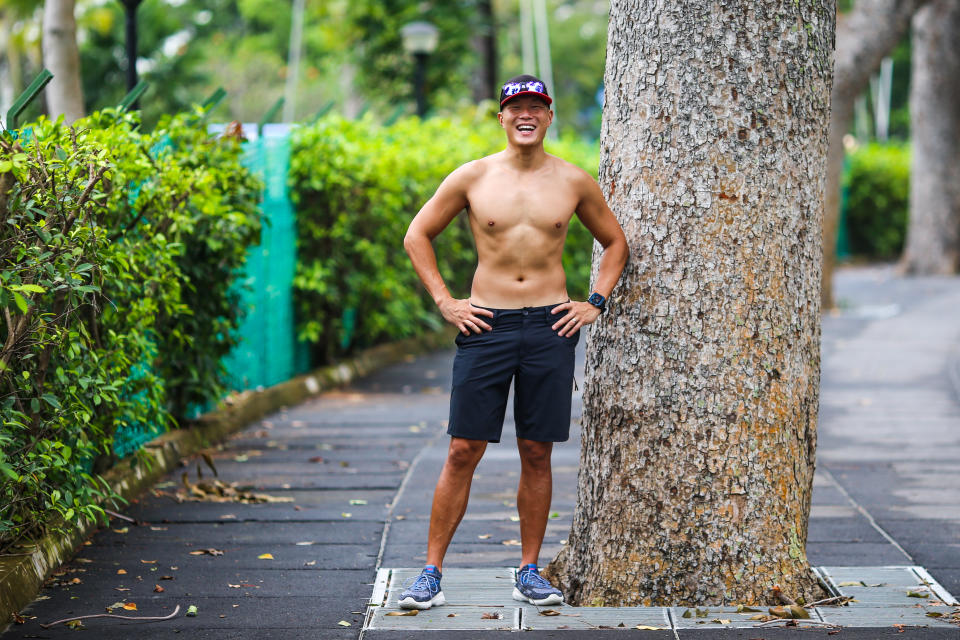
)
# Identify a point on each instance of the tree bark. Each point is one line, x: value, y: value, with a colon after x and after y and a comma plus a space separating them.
x: 701, y: 395
x: 62, y: 57
x: 933, y: 234
x: 864, y: 36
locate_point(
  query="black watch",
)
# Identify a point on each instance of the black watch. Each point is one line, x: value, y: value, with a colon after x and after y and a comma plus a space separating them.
x: 598, y: 301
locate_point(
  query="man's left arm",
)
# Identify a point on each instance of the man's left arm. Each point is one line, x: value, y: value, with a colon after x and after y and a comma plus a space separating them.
x: 596, y: 216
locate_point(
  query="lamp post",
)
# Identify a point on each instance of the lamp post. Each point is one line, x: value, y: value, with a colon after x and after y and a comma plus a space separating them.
x: 420, y: 39
x: 131, y: 44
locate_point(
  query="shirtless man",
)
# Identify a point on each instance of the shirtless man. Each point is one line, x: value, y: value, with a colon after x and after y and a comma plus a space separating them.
x: 518, y: 324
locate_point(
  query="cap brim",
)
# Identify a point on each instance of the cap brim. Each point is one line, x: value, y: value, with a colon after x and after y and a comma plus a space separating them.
x: 543, y: 96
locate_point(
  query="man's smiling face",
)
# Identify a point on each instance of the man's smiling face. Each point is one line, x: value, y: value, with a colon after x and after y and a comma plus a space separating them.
x: 525, y: 119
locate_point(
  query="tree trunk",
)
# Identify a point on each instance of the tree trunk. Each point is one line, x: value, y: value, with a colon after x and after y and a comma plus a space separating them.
x: 62, y: 58
x: 864, y: 36
x: 933, y: 235
x: 701, y: 396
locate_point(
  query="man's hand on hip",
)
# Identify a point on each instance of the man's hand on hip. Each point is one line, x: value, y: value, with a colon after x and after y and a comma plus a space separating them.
x: 577, y: 315
x: 464, y: 316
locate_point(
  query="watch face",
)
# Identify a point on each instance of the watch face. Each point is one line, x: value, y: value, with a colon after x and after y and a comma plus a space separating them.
x: 595, y: 299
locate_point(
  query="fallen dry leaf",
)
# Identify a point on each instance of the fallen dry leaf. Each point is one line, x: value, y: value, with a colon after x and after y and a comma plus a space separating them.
x: 316, y: 459
x: 452, y: 615
x: 549, y: 612
x: 130, y: 606
x: 166, y: 577
x: 207, y: 552
x: 233, y: 586
x: 511, y: 543
x: 487, y: 615
x: 121, y: 572
x: 409, y: 612
x: 149, y: 561
x: 485, y: 536
x: 265, y: 556
x: 343, y: 623
x: 158, y: 589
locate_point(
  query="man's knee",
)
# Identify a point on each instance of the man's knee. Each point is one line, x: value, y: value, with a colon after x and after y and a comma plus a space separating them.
x: 535, y: 454
x: 464, y: 453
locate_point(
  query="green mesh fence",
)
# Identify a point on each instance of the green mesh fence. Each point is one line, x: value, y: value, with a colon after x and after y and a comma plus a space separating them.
x: 268, y: 352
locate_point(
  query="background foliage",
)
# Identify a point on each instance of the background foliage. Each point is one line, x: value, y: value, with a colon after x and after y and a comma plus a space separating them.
x: 117, y: 250
x: 878, y: 194
x: 356, y: 186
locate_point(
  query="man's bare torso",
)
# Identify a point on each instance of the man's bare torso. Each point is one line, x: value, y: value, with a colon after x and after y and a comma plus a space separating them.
x: 519, y: 222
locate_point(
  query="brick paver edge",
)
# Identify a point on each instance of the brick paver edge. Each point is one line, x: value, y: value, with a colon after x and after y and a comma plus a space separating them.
x: 22, y: 576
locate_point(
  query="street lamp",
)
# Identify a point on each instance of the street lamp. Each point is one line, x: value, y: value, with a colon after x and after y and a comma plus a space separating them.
x: 420, y: 39
x: 131, y: 44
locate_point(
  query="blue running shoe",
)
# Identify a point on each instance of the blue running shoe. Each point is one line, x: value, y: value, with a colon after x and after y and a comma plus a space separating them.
x: 423, y: 591
x: 533, y: 588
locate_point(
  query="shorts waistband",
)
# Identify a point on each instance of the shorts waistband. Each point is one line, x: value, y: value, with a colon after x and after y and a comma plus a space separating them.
x: 520, y: 309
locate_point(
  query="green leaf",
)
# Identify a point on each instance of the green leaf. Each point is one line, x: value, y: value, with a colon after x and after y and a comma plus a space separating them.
x: 8, y: 471
x: 21, y: 302
x: 28, y: 288
x: 51, y: 400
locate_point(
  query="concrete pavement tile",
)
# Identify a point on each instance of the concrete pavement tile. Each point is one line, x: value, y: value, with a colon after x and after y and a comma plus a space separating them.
x: 102, y: 583
x: 563, y: 634
x: 854, y: 554
x: 239, y: 556
x: 230, y: 532
x: 823, y: 496
x: 851, y: 633
x: 854, y: 529
x: 949, y: 579
x: 174, y: 631
x: 307, y: 505
x: 942, y: 556
x: 885, y: 616
x: 290, y: 612
x: 929, y: 531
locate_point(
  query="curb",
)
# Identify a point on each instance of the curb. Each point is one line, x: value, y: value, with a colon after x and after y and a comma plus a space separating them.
x: 22, y: 575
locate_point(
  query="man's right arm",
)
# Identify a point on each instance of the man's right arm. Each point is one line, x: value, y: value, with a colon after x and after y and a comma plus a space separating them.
x: 449, y: 200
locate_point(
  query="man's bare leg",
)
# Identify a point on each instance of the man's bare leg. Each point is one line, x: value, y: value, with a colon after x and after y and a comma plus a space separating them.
x: 533, y: 495
x: 451, y: 495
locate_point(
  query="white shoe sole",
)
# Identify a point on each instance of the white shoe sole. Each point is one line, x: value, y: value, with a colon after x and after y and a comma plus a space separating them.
x: 551, y: 599
x: 410, y: 603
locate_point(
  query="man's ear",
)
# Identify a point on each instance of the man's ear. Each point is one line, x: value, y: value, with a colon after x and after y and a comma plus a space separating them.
x: 500, y: 118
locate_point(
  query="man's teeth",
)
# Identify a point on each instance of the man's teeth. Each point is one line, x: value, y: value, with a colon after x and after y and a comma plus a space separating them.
x: 526, y: 127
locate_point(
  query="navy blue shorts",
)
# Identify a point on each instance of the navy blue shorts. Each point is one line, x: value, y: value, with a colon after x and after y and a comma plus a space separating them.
x: 523, y: 348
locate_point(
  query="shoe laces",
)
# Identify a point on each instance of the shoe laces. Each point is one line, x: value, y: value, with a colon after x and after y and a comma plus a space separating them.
x: 533, y: 578
x: 425, y: 581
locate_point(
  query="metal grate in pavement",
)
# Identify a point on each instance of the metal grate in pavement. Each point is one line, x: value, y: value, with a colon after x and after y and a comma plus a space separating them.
x: 480, y: 599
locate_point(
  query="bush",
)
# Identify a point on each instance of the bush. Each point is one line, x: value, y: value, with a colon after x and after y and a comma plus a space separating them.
x: 98, y: 282
x: 878, y: 193
x: 356, y: 185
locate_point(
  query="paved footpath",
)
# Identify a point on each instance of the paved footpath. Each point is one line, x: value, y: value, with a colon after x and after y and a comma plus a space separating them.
x: 360, y: 465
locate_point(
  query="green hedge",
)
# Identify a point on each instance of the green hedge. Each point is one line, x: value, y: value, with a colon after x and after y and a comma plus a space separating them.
x: 356, y: 185
x: 118, y: 251
x: 877, y: 182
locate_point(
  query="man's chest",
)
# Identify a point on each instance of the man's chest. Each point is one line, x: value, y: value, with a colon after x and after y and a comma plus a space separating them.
x: 501, y: 205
